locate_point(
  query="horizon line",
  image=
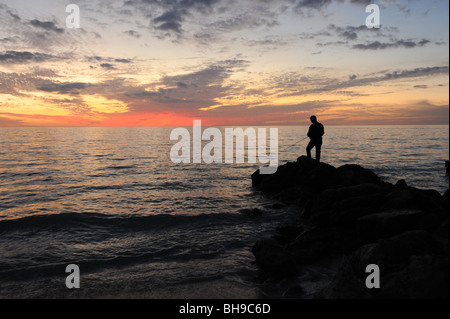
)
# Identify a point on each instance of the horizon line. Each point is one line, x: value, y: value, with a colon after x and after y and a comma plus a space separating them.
x: 250, y: 125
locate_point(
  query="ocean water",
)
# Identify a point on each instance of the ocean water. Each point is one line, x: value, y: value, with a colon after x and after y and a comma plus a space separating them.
x: 138, y: 226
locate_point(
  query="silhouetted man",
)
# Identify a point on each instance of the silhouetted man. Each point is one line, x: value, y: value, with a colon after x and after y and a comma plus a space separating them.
x: 315, y: 133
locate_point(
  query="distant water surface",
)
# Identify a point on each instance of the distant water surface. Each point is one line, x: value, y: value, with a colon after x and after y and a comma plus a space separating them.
x: 111, y: 201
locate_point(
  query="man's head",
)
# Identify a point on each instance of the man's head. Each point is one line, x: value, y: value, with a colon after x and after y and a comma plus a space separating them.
x: 313, y: 119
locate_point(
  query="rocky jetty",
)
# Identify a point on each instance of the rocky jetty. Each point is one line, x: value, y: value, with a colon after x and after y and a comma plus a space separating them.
x: 349, y: 213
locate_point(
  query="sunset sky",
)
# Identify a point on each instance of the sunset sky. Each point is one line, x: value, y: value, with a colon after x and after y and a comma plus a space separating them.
x: 225, y: 62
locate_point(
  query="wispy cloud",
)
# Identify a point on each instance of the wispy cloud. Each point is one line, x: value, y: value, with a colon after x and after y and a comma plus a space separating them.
x: 24, y: 57
x: 376, y: 45
x: 46, y: 25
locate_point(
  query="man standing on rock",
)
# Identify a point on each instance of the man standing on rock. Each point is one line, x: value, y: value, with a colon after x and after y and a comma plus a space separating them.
x: 315, y: 133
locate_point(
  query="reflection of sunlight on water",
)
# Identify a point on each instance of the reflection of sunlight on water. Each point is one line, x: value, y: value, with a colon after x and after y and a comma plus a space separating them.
x: 116, y: 170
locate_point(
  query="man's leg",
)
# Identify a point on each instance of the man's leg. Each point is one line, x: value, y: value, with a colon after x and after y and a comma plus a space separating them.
x: 309, y: 148
x: 318, y: 149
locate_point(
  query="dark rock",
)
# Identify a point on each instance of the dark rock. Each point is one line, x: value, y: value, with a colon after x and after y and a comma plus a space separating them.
x: 354, y: 174
x: 397, y: 259
x: 443, y: 229
x: 390, y: 223
x: 349, y: 211
x: 445, y: 200
x: 251, y: 212
x: 293, y: 291
x: 343, y: 206
x: 315, y: 176
x: 321, y: 243
x: 394, y: 253
x: 273, y: 259
x: 305, y: 173
x: 290, y: 231
x: 347, y: 218
x: 331, y: 196
x: 401, y: 184
x: 345, y: 285
x: 426, y: 277
x: 413, y: 198
x: 291, y: 195
x: 274, y: 183
x: 276, y: 206
x: 358, y: 190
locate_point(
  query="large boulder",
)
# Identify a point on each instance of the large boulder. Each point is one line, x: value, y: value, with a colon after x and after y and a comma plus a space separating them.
x: 305, y: 173
x: 274, y: 183
x: 394, y: 253
x: 393, y: 222
x: 345, y: 285
x: 321, y: 243
x: 313, y: 176
x: 426, y: 277
x: 412, y: 265
x: 413, y: 198
x: 351, y: 174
